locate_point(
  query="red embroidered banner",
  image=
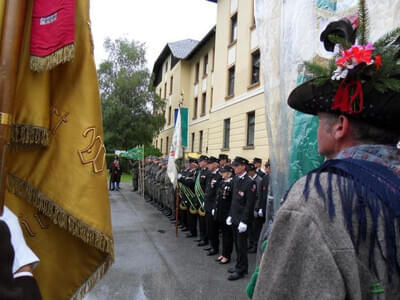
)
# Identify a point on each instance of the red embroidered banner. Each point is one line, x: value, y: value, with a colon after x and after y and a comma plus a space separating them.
x: 52, y: 33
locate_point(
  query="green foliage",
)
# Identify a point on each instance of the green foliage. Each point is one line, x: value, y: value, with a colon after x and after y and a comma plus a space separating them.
x: 132, y: 111
x: 363, y: 29
x: 315, y: 69
x: 388, y: 38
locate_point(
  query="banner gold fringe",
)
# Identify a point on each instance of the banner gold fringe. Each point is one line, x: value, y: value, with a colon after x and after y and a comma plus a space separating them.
x: 59, y: 216
x: 96, y: 276
x: 30, y: 135
x: 63, y: 55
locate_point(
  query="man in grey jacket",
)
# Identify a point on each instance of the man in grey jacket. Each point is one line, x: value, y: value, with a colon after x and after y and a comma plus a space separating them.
x: 337, y: 234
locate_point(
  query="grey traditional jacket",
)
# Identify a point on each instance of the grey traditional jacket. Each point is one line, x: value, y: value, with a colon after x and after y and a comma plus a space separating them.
x: 311, y: 256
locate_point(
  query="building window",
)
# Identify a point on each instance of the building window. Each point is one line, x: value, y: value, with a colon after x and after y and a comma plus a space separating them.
x: 192, y: 142
x: 165, y: 91
x: 166, y: 146
x: 205, y: 66
x: 166, y: 66
x: 233, y: 28
x: 227, y: 132
x: 171, y: 85
x: 203, y: 104
x: 255, y: 67
x: 251, y: 117
x: 169, y: 115
x: 195, y: 106
x: 201, y: 141
x: 231, y: 81
x: 161, y: 144
x: 213, y: 59
x: 156, y: 143
x: 196, y: 79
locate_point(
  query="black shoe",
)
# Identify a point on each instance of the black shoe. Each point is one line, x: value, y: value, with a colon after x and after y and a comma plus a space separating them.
x: 198, y: 240
x: 207, y: 249
x: 219, y: 258
x: 232, y: 270
x: 250, y: 247
x: 190, y: 235
x: 212, y: 252
x: 202, y: 243
x: 235, y: 276
x: 185, y: 229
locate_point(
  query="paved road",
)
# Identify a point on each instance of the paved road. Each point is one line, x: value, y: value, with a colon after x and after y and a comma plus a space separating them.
x: 151, y: 263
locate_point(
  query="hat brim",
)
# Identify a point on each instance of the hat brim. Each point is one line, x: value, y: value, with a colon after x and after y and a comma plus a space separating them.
x: 380, y: 109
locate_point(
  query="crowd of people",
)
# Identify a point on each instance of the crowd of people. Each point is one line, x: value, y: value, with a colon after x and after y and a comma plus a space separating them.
x: 221, y: 203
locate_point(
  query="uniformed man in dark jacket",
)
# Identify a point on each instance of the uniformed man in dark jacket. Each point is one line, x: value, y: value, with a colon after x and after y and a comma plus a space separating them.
x: 258, y: 163
x: 241, y: 214
x: 223, y: 206
x: 200, y: 188
x: 223, y: 160
x: 187, y: 180
x: 135, y: 174
x: 256, y: 225
x: 210, y: 204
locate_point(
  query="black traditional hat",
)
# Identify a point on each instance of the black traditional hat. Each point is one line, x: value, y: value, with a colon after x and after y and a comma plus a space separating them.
x: 203, y: 158
x: 223, y: 156
x: 363, y: 82
x: 227, y: 169
x: 213, y: 159
x: 251, y: 167
x: 257, y: 160
x: 240, y: 161
x: 192, y: 160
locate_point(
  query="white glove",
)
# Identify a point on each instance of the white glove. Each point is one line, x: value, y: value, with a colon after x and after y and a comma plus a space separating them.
x: 260, y: 213
x: 242, y: 227
x: 255, y: 214
x: 179, y: 176
x: 213, y: 212
x: 229, y: 221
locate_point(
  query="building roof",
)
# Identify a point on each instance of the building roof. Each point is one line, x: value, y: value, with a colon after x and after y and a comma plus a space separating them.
x: 201, y: 44
x: 182, y: 48
x: 179, y: 50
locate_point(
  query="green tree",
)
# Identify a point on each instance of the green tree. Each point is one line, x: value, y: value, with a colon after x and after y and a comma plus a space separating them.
x: 132, y: 111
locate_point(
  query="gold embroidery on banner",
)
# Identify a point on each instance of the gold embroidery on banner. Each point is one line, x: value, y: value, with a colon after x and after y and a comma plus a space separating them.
x: 41, y: 223
x: 62, y: 119
x: 95, y: 152
x: 26, y: 225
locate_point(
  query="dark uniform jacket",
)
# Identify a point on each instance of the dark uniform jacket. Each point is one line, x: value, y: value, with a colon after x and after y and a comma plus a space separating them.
x: 224, y: 199
x: 204, y: 177
x: 243, y: 199
x: 264, y: 194
x: 261, y: 173
x: 211, y: 191
x: 258, y: 180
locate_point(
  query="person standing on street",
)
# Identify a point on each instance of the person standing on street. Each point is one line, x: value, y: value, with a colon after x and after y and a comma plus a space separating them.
x: 200, y: 188
x: 240, y: 215
x: 337, y: 236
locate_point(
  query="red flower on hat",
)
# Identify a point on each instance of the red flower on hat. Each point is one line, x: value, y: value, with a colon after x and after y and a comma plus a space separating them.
x: 378, y: 62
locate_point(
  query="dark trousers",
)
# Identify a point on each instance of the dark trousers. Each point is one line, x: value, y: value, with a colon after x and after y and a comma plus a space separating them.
x: 252, y: 240
x: 29, y: 287
x: 227, y: 239
x: 257, y: 226
x: 183, y: 217
x: 240, y: 240
x: 192, y: 223
x: 212, y: 231
x: 203, y: 228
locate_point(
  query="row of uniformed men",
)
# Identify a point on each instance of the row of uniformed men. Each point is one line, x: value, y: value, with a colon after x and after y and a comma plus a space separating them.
x: 215, y: 197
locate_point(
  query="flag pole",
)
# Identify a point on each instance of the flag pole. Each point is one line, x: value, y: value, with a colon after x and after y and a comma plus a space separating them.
x: 177, y: 210
x: 142, y: 170
x: 11, y: 40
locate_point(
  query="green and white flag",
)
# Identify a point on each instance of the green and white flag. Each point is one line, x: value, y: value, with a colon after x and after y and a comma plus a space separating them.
x: 176, y: 150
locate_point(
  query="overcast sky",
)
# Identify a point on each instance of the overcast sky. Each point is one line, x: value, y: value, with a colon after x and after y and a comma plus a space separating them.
x: 154, y: 22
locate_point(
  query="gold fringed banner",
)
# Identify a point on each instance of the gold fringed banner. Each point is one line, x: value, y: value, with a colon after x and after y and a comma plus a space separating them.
x: 61, y: 56
x: 95, y: 277
x: 29, y: 135
x: 63, y: 219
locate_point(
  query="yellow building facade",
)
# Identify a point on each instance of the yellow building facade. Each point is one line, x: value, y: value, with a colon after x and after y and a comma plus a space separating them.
x: 219, y: 80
